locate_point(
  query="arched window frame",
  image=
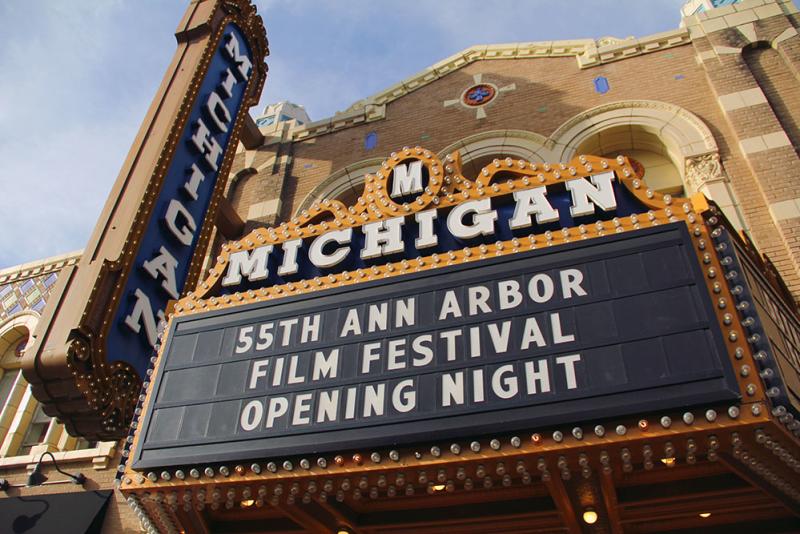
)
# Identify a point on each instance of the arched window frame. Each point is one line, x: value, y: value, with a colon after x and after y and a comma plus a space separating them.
x: 689, y: 143
x: 339, y: 183
x: 19, y: 408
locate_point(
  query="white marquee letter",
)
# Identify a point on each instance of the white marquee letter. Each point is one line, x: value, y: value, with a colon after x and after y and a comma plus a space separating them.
x: 289, y: 263
x: 319, y: 258
x: 569, y: 368
x: 426, y: 236
x: 165, y: 265
x: 404, y: 401
x: 601, y: 193
x: 194, y: 181
x: 253, y: 265
x: 453, y: 388
x: 259, y: 371
x: 218, y: 112
x: 325, y: 367
x: 185, y: 234
x: 243, y: 64
x: 277, y: 408
x: 483, y: 221
x: 507, y: 387
x: 571, y: 283
x: 530, y: 202
x: 207, y: 145
x: 407, y: 179
x: 251, y: 415
x: 143, y: 312
x: 382, y: 238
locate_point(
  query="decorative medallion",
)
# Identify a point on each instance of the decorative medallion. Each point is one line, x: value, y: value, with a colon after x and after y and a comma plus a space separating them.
x: 478, y: 95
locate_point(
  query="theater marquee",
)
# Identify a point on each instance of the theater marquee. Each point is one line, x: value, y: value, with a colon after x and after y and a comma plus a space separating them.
x: 441, y: 306
x: 589, y: 330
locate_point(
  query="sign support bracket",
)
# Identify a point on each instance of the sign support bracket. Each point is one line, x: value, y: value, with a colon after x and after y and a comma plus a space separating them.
x: 558, y: 492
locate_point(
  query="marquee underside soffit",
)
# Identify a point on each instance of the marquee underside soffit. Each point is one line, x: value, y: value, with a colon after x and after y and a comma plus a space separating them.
x: 660, y: 483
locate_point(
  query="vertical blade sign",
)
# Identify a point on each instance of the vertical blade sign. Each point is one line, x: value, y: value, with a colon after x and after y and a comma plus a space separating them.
x: 162, y: 262
x: 92, y: 348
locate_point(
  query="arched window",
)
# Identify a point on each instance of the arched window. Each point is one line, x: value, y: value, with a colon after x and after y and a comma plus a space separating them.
x: 478, y: 151
x: 676, y: 148
x: 7, y: 383
x: 24, y: 427
x: 647, y: 148
x: 344, y: 185
x: 17, y: 405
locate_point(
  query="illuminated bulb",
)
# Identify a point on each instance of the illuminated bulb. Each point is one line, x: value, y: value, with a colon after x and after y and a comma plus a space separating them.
x: 705, y: 515
x: 438, y: 487
x: 669, y: 462
x: 590, y: 516
x: 248, y: 503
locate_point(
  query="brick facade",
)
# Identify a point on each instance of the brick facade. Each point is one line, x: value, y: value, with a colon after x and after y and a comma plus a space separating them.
x: 721, y: 57
x: 119, y: 517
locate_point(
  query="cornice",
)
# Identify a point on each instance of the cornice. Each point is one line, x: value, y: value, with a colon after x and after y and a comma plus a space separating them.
x: 588, y: 53
x: 39, y: 267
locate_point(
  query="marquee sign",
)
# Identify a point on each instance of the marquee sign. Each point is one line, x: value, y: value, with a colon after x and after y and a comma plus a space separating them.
x: 439, y: 305
x: 98, y: 335
x: 591, y: 329
x: 417, y: 207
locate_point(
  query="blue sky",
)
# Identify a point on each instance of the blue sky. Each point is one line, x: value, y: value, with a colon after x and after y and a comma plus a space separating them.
x: 77, y: 78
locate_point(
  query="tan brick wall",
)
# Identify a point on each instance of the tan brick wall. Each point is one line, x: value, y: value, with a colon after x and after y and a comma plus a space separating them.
x: 549, y: 91
x: 119, y: 517
x: 780, y: 87
x: 768, y: 176
x: 556, y: 84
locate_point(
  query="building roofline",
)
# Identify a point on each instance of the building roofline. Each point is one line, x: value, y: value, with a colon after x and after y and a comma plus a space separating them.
x: 588, y: 52
x: 39, y: 267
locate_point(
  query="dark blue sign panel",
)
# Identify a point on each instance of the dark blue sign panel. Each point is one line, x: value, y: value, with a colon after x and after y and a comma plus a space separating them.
x: 165, y: 252
x: 558, y: 197
x: 593, y: 329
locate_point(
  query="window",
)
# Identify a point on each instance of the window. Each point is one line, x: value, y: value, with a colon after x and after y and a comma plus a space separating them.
x: 265, y: 121
x: 6, y: 383
x: 639, y: 143
x: 344, y: 185
x: 82, y: 444
x: 660, y: 173
x: 37, y: 430
x: 19, y: 350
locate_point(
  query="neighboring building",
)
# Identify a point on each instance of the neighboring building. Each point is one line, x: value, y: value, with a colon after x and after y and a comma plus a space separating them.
x: 693, y: 7
x: 712, y: 107
x: 274, y: 114
x: 26, y: 432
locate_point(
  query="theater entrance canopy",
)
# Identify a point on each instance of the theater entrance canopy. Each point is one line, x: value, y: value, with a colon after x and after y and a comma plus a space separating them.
x: 541, y: 347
